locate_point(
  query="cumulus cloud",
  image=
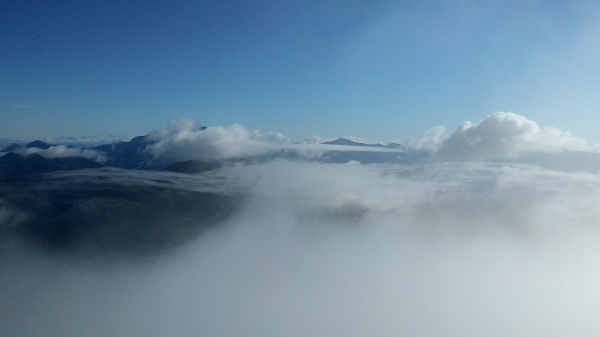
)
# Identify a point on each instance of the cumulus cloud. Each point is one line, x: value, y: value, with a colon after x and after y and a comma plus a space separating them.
x: 503, y: 135
x: 62, y: 151
x: 432, y: 140
x: 185, y: 140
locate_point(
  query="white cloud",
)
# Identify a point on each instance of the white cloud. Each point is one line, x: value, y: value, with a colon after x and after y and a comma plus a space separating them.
x: 432, y: 140
x: 504, y: 135
x: 62, y: 151
x: 271, y: 137
x: 88, y: 141
x: 184, y: 140
x: 316, y: 140
x: 454, y: 249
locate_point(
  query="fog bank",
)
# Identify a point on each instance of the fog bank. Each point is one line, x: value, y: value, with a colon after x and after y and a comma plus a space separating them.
x: 453, y: 249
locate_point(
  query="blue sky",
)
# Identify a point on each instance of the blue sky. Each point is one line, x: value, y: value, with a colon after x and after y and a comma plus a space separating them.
x: 376, y: 69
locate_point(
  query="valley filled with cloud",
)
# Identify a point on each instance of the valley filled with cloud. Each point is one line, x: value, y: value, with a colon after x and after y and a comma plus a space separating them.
x: 490, y: 229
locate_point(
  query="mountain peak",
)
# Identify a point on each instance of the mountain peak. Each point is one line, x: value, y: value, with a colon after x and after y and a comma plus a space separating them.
x: 11, y: 147
x: 38, y: 144
x: 348, y: 142
x: 344, y: 141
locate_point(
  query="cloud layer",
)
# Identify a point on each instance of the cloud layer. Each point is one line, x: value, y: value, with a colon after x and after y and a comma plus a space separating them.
x: 449, y: 249
x: 184, y: 140
x: 480, y: 239
x: 62, y: 151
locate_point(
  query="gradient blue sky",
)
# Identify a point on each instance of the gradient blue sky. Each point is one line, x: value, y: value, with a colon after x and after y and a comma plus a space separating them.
x: 376, y: 69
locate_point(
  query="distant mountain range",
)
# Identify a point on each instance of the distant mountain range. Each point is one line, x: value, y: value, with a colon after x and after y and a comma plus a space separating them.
x: 35, y: 144
x: 86, y: 215
x: 340, y: 157
x: 348, y: 142
x: 133, y: 154
x: 125, y: 155
x: 15, y: 166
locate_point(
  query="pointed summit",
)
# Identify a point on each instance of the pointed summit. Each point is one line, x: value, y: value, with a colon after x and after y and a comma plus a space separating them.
x: 348, y: 142
x: 11, y: 147
x: 38, y: 144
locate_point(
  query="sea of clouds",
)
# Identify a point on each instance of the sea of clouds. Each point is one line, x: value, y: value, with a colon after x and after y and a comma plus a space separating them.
x: 490, y: 237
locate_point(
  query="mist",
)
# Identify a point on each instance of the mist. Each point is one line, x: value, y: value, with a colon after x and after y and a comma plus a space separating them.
x: 62, y: 151
x: 453, y: 249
